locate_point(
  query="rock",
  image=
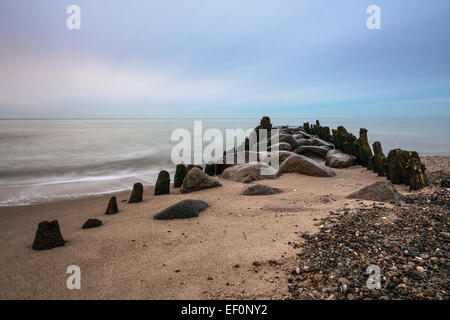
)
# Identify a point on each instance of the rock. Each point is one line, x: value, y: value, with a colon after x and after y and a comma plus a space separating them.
x: 287, y: 138
x: 260, y: 190
x: 378, y: 159
x: 162, y: 183
x: 445, y: 183
x: 180, y: 173
x: 304, y: 142
x: 210, y: 169
x: 343, y: 285
x: 382, y: 191
x: 313, y: 150
x: 405, y: 167
x: 337, y: 159
x: 112, y: 206
x: 322, y: 143
x: 249, y: 172
x: 184, y: 209
x: 231, y: 159
x: 303, y: 165
x: 282, y: 146
x: 196, y: 180
x: 92, y: 223
x: 136, y: 193
x: 48, y: 236
x: 282, y: 155
x: 300, y: 135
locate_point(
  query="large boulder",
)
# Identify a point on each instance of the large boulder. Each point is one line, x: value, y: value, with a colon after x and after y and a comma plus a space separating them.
x: 112, y: 206
x: 382, y: 191
x: 303, y: 165
x: 180, y: 173
x: 282, y: 146
x: 322, y: 143
x: 92, y: 223
x: 182, y: 210
x: 162, y: 183
x: 249, y: 172
x: 312, y: 150
x: 48, y: 236
x: 337, y: 159
x: 136, y: 193
x: 299, y: 135
x: 196, y: 180
x: 260, y: 190
x: 282, y: 155
x: 304, y: 142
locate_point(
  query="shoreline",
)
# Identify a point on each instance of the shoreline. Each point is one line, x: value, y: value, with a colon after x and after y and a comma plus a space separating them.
x: 125, y: 192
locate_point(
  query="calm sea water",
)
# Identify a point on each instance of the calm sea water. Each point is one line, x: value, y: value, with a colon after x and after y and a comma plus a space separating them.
x: 44, y: 160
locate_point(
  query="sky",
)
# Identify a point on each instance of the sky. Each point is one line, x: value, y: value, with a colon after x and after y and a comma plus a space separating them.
x: 214, y: 58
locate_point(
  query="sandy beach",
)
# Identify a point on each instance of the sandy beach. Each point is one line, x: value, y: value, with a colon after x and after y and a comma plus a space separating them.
x: 133, y: 256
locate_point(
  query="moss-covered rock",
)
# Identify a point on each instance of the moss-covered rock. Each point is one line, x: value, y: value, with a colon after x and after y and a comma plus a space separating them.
x: 346, y: 141
x: 378, y: 159
x: 405, y: 167
x: 365, y: 153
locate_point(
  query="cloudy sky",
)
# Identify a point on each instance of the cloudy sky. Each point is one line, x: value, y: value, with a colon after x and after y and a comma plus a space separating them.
x: 148, y: 58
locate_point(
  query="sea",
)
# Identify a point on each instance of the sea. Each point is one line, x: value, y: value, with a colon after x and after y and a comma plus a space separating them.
x: 45, y: 160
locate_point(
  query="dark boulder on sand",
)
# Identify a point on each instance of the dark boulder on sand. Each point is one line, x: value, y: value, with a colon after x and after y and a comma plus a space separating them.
x: 136, y: 193
x: 260, y: 190
x: 182, y: 210
x: 92, y: 223
x: 210, y: 169
x: 196, y: 180
x: 304, y: 142
x: 304, y: 165
x: 48, y: 236
x: 180, y: 173
x: 162, y: 185
x: 112, y: 206
x: 382, y: 191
